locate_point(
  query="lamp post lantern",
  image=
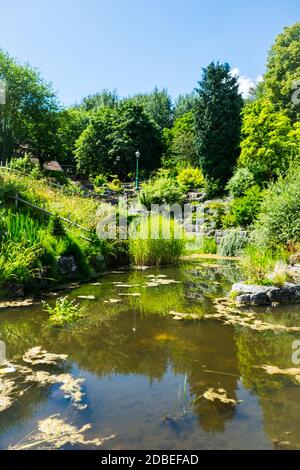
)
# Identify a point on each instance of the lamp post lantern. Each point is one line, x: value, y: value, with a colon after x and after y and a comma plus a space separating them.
x: 137, y: 154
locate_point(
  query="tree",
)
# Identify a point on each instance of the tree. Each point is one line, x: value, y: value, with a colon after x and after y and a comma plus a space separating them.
x: 283, y: 72
x: 30, y: 115
x: 110, y: 141
x: 92, y: 147
x: 269, y: 141
x: 73, y: 121
x: 104, y: 99
x: 180, y: 142
x: 132, y: 131
x: 158, y: 105
x: 184, y: 104
x: 218, y: 122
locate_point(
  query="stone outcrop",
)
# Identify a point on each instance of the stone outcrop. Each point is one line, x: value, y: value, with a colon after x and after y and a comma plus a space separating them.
x: 67, y: 265
x: 246, y: 294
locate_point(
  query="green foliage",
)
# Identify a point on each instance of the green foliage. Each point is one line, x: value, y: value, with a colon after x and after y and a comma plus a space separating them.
x: 100, y: 180
x: 65, y: 312
x: 241, y: 180
x: 166, y: 248
x: 232, y: 243
x: 72, y: 123
x: 184, y: 104
x: 115, y: 185
x: 104, y: 99
x: 56, y: 226
x: 157, y: 105
x: 245, y: 209
x: 283, y: 69
x: 218, y: 122
x: 279, y: 218
x: 30, y: 115
x: 17, y: 262
x: 22, y: 164
x: 258, y: 264
x: 162, y: 190
x: 180, y: 142
x: 93, y: 145
x: 112, y: 138
x: 191, y: 178
x: 269, y: 143
x: 19, y: 228
x: 207, y: 245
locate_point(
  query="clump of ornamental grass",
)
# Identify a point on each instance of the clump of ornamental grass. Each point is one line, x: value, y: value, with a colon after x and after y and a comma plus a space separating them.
x: 65, y: 312
x: 17, y: 262
x: 157, y: 240
x: 257, y: 263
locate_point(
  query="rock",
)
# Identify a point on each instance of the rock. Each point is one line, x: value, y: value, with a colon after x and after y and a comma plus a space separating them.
x: 247, y: 294
x: 13, y: 290
x: 67, y: 265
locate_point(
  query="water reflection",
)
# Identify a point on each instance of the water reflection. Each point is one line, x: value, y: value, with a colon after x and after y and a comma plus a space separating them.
x: 135, y: 358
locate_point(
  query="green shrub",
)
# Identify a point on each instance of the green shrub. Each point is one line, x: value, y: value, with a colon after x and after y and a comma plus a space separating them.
x: 22, y: 164
x: 145, y: 250
x: 100, y: 180
x: 232, y: 243
x: 161, y: 191
x: 279, y: 218
x: 214, y: 212
x: 115, y: 185
x: 245, y: 209
x: 240, y: 182
x: 65, y: 312
x: 258, y: 264
x: 191, y: 178
x: 207, y: 245
x: 56, y: 226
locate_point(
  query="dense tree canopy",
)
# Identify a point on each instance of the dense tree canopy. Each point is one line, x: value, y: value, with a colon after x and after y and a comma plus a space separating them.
x: 282, y: 78
x: 30, y: 115
x: 269, y: 142
x: 110, y: 141
x: 218, y: 122
x: 180, y: 142
x: 184, y: 104
x: 73, y: 121
x: 158, y: 105
x: 103, y: 99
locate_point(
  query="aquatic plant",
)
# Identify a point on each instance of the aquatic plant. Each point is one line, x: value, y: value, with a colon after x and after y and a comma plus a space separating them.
x: 54, y: 433
x: 64, y: 312
x: 164, y: 248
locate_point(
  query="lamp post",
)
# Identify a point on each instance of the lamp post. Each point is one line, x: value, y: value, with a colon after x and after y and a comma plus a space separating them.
x: 137, y: 154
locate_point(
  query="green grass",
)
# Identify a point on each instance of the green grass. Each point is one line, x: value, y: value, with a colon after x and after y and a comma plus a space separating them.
x: 258, y: 266
x: 149, y: 251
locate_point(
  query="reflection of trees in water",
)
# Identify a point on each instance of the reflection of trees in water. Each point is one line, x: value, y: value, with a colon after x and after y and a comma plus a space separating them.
x: 278, y: 395
x: 26, y: 405
x: 111, y: 346
x: 125, y: 339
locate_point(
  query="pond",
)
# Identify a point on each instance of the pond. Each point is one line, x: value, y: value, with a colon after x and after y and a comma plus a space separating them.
x: 149, y: 377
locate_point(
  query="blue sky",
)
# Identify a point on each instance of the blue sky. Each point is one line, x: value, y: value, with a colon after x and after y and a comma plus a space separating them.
x: 83, y: 46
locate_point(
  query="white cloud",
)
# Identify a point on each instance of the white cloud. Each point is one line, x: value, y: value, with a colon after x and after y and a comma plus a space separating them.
x: 245, y: 83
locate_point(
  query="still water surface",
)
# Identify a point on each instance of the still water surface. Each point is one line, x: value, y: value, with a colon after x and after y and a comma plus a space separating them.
x: 145, y: 373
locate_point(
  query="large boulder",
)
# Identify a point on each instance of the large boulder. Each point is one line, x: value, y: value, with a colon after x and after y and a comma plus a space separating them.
x: 67, y: 265
x: 248, y: 294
